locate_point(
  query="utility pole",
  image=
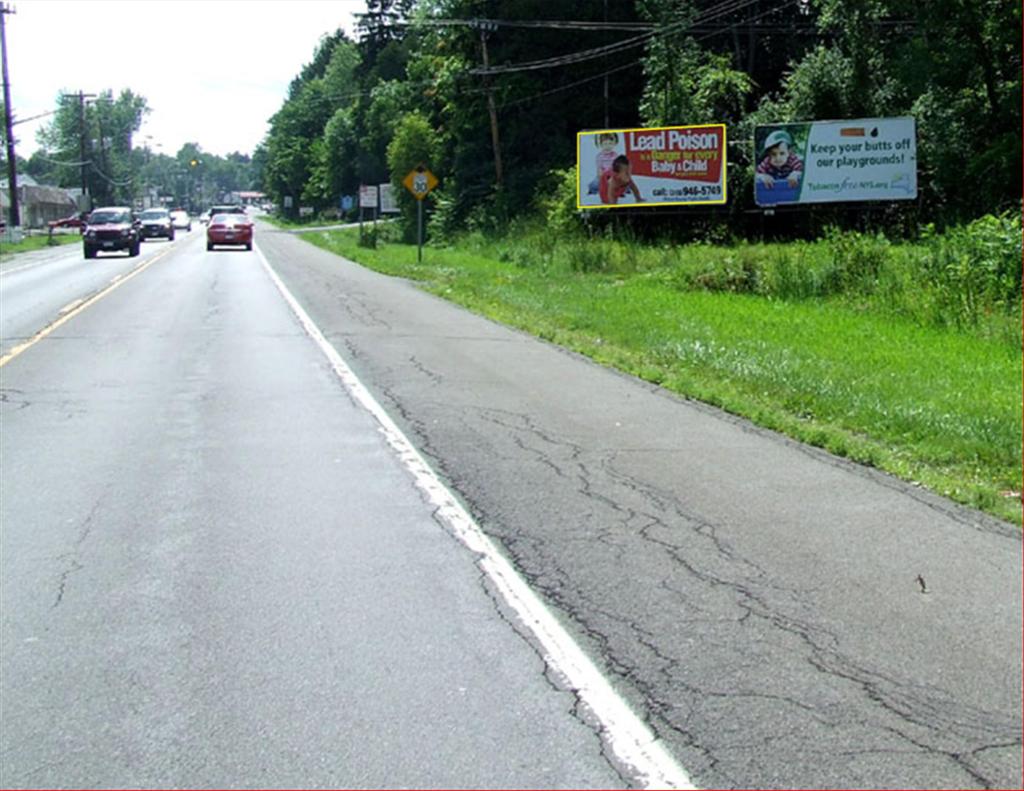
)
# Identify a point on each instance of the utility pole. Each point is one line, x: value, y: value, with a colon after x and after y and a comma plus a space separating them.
x: 12, y: 165
x: 607, y: 123
x: 81, y: 149
x: 484, y: 26
x: 81, y: 96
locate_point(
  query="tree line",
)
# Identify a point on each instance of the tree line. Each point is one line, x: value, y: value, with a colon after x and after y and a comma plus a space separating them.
x: 91, y: 143
x: 412, y: 87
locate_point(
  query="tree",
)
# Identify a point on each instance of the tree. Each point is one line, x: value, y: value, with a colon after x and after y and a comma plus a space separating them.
x: 103, y: 128
x: 414, y: 143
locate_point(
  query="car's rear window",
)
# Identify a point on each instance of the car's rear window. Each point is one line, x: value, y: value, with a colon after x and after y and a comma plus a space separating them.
x: 155, y: 214
x: 227, y: 219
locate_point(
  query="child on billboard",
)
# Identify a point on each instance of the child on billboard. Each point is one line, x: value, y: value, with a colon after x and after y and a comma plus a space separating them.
x: 606, y: 143
x: 617, y: 181
x: 779, y: 161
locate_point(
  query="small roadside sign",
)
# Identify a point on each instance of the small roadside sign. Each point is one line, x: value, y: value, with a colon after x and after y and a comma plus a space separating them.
x: 368, y: 196
x: 305, y: 211
x: 420, y: 182
x: 347, y: 202
x: 387, y: 200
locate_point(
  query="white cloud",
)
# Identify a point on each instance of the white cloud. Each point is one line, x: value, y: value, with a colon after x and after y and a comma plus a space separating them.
x: 212, y: 72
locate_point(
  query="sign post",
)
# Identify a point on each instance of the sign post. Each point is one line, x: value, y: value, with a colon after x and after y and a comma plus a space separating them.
x: 419, y: 182
x: 367, y: 199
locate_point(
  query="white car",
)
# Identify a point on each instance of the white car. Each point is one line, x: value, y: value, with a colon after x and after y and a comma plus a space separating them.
x: 181, y: 220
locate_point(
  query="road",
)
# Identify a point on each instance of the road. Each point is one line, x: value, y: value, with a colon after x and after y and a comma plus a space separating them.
x: 38, y: 285
x: 217, y: 571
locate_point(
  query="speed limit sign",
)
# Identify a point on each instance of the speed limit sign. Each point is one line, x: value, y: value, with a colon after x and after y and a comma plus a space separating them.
x: 420, y: 182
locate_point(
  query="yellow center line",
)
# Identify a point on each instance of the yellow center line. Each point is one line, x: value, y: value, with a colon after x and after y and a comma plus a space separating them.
x: 70, y: 306
x: 49, y: 328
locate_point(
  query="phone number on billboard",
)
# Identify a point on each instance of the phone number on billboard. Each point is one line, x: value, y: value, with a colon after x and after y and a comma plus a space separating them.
x: 690, y: 192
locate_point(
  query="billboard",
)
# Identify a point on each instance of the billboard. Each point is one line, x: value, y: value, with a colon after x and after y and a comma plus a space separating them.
x: 663, y: 166
x: 864, y: 159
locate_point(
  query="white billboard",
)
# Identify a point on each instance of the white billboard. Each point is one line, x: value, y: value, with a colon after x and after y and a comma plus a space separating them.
x: 368, y: 196
x: 863, y: 159
x: 387, y: 200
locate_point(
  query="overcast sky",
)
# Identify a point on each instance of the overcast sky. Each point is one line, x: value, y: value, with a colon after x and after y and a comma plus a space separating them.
x: 212, y: 71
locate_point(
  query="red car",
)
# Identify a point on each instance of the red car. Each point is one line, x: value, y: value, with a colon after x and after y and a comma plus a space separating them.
x: 229, y: 229
x: 74, y: 221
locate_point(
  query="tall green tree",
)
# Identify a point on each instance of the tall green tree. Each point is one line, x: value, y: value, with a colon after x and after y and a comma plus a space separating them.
x: 104, y: 129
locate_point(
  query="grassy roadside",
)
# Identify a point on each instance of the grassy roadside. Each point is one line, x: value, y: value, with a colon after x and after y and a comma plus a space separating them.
x: 37, y: 243
x: 293, y: 225
x: 931, y: 405
x: 282, y: 223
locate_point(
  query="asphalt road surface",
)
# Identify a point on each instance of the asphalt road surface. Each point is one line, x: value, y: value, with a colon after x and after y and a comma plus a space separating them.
x: 757, y: 600
x: 216, y: 572
x: 37, y: 286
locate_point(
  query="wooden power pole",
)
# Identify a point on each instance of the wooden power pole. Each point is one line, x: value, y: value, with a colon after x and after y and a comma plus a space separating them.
x: 484, y: 26
x: 12, y: 165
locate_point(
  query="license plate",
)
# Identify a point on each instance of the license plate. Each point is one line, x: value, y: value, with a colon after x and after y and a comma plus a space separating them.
x: 108, y: 244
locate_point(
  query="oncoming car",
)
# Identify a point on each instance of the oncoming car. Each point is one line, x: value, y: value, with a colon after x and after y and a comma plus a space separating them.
x: 181, y: 219
x: 226, y: 229
x: 156, y: 223
x: 111, y: 228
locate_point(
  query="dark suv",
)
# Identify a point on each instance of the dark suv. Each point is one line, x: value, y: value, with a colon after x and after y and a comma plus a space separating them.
x: 155, y: 223
x: 111, y: 228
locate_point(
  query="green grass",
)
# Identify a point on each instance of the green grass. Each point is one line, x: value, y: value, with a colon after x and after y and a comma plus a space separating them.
x: 933, y: 405
x: 37, y: 243
x: 285, y: 224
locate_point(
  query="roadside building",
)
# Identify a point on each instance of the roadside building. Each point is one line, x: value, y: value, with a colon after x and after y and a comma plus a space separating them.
x: 38, y: 204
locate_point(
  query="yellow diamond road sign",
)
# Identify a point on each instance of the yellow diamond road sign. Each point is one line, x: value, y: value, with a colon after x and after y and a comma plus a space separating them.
x: 420, y: 182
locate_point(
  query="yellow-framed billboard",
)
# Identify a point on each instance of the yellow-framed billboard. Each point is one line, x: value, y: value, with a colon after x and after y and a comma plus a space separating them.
x: 658, y: 166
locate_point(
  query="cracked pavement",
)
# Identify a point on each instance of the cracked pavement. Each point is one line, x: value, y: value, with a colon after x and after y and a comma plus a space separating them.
x: 754, y: 599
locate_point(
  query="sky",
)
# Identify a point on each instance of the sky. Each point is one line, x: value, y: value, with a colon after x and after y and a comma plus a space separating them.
x: 212, y: 71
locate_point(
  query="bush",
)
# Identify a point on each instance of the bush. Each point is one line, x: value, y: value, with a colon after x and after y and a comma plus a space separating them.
x: 368, y: 237
x: 444, y: 222
x: 559, y: 207
x: 976, y: 268
x: 857, y: 261
x: 414, y: 142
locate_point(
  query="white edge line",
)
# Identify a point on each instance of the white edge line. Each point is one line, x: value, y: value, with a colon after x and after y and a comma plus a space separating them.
x: 625, y: 735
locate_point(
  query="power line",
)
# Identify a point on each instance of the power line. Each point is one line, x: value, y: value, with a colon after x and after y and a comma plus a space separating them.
x: 623, y: 67
x: 76, y: 164
x: 109, y: 180
x: 715, y: 12
x: 548, y: 24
